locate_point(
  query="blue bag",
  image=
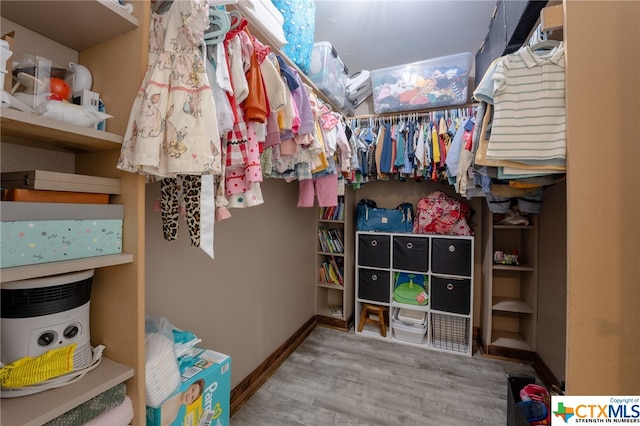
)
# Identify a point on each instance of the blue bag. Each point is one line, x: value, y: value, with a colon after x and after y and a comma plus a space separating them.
x: 370, y: 217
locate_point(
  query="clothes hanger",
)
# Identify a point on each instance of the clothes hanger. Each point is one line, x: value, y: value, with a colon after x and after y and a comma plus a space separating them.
x: 220, y: 25
x: 235, y: 18
x: 161, y: 6
x: 545, y: 45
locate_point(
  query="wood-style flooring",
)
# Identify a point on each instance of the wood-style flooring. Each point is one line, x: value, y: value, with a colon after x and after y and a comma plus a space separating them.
x: 339, y: 378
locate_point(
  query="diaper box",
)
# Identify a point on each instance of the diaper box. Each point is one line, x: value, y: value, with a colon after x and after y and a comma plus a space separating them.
x: 204, y: 395
x: 434, y: 83
x: 328, y: 72
x: 48, y: 232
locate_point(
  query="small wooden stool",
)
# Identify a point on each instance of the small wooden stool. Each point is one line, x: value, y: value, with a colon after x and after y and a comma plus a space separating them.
x: 380, y: 311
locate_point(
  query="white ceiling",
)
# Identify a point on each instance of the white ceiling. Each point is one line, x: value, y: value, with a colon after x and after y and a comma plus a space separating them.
x: 374, y: 34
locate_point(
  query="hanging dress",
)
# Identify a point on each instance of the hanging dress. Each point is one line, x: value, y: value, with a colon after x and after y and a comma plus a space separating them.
x: 172, y: 127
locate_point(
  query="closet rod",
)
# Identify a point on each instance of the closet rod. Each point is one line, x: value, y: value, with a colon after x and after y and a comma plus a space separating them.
x: 417, y: 112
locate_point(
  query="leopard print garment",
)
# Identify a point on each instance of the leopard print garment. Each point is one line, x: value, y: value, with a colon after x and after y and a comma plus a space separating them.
x: 185, y: 188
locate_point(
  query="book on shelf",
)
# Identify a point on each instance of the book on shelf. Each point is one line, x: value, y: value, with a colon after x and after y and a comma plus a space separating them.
x: 337, y: 266
x: 333, y: 212
x: 339, y: 215
x: 324, y: 245
x: 331, y: 273
x: 329, y: 242
x: 336, y: 238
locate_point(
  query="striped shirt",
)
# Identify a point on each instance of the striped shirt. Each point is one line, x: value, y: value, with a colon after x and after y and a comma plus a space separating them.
x: 529, y: 123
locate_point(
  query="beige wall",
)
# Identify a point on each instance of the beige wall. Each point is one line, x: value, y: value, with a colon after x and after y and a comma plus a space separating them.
x: 603, y: 197
x: 257, y: 291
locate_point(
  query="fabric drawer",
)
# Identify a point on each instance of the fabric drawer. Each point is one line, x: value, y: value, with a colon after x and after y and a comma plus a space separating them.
x: 411, y: 253
x: 451, y: 295
x: 373, y: 285
x: 374, y: 250
x: 451, y: 256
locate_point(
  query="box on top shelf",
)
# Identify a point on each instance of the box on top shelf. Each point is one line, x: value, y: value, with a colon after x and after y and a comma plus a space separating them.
x: 433, y: 83
x: 328, y: 72
x: 48, y: 232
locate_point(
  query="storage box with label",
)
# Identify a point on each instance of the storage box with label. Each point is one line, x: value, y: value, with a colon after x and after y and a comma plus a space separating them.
x: 433, y: 83
x: 328, y: 72
x: 48, y: 232
x: 204, y: 396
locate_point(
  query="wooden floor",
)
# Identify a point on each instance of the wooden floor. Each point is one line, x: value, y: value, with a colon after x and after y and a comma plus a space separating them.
x: 338, y: 378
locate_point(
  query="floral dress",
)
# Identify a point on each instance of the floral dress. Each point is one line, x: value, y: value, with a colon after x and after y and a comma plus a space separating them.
x: 172, y: 127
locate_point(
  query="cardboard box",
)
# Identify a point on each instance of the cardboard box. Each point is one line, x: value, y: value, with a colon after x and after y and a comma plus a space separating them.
x: 39, y: 196
x: 56, y: 181
x: 211, y: 407
x: 35, y: 233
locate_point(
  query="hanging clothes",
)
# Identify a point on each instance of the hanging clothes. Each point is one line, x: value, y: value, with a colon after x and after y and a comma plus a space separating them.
x: 169, y: 130
x: 529, y: 123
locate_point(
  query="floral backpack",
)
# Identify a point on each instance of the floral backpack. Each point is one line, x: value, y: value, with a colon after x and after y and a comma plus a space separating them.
x: 437, y: 213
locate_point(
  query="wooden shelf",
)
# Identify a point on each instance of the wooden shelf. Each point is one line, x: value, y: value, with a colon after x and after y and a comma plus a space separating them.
x: 500, y: 267
x: 39, y: 408
x: 513, y: 227
x: 55, y: 268
x: 28, y: 129
x: 511, y: 304
x: 84, y: 24
x: 507, y: 339
x: 421, y: 308
x: 331, y: 286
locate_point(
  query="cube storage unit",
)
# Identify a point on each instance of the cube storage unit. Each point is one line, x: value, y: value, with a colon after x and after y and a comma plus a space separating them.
x: 328, y: 72
x: 433, y: 83
x: 440, y: 267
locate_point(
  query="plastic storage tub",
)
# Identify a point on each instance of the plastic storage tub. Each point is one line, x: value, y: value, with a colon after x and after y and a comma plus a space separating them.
x: 412, y: 333
x: 433, y: 83
x: 411, y: 317
x: 328, y: 72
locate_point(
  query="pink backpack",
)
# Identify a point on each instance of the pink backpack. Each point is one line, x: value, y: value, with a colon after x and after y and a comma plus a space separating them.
x: 437, y: 213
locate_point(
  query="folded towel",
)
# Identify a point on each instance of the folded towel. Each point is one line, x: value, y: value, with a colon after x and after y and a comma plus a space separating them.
x: 92, y: 408
x: 120, y: 415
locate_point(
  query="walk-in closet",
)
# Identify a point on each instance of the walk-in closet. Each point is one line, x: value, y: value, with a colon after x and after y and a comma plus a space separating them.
x: 314, y: 212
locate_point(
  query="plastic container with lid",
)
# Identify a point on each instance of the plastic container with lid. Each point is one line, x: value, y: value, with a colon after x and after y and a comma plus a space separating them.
x: 328, y: 72
x: 432, y: 83
x: 5, y: 54
x: 410, y: 316
x: 413, y: 333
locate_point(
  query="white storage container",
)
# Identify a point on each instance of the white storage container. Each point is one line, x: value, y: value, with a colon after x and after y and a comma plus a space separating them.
x: 413, y: 333
x: 433, y: 83
x: 328, y: 72
x: 359, y: 87
x: 411, y: 317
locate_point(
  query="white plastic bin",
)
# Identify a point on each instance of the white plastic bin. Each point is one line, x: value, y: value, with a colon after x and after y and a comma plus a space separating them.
x: 433, y: 83
x: 412, y: 333
x: 5, y: 54
x: 328, y: 72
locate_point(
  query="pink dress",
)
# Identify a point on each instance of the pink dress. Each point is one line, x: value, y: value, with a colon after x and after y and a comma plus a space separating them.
x: 172, y: 127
